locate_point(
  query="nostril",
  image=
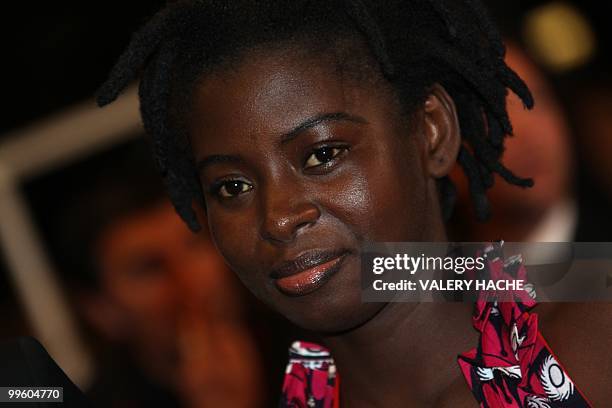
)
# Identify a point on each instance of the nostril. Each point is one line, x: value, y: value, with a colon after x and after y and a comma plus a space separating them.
x: 303, y: 225
x: 285, y: 227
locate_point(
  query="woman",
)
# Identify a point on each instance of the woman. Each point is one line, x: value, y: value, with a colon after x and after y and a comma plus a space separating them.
x: 307, y: 128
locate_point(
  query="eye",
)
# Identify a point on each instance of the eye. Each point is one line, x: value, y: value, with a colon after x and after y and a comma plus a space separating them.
x: 323, y: 155
x: 231, y: 188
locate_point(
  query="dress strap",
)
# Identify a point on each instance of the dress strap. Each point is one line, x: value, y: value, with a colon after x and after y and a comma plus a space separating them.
x: 512, y: 365
x: 310, y: 378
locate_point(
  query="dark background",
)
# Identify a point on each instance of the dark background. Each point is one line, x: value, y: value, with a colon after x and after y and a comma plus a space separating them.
x: 55, y: 54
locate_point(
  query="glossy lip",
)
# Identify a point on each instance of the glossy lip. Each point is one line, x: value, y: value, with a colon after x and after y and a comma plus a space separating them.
x: 307, y: 272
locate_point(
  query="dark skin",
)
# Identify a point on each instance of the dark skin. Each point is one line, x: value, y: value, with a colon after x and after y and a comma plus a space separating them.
x: 271, y: 193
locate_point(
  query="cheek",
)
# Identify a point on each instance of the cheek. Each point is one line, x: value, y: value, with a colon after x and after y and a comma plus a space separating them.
x: 383, y: 201
x: 349, y: 199
x: 146, y: 309
x: 236, y: 239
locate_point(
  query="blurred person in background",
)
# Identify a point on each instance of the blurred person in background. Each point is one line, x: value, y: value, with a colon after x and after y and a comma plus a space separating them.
x: 541, y: 148
x: 160, y: 295
x: 591, y: 110
x: 595, y: 108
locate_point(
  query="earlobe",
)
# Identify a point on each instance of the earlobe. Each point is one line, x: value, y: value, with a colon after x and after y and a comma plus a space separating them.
x: 442, y: 132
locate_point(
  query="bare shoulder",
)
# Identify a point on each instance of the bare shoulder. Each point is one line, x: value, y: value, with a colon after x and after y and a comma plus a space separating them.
x: 580, y: 335
x: 457, y: 395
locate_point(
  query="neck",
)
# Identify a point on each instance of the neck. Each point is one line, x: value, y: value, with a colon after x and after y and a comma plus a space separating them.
x: 405, y: 356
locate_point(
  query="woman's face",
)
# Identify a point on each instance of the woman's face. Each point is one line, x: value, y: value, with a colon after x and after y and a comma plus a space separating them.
x: 300, y: 166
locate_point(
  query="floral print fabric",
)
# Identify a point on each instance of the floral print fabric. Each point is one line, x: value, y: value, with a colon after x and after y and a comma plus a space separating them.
x: 310, y: 378
x: 511, y: 367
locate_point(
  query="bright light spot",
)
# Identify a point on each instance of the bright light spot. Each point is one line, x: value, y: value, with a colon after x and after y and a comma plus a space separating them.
x: 559, y: 36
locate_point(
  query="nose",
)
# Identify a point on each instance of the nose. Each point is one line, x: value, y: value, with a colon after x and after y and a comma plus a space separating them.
x: 286, y: 211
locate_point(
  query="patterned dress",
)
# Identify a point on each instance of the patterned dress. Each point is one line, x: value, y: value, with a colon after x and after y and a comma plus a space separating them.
x: 511, y: 367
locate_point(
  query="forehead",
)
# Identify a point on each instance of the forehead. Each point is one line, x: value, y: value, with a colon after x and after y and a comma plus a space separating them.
x: 271, y: 91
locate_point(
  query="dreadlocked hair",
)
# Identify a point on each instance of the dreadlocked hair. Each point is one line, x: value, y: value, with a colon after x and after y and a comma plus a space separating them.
x: 416, y: 43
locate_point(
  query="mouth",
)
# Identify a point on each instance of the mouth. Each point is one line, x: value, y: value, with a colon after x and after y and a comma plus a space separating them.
x: 308, y: 272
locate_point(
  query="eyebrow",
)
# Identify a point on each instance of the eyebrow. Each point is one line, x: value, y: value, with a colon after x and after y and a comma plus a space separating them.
x: 217, y: 158
x: 287, y: 136
x: 317, y: 120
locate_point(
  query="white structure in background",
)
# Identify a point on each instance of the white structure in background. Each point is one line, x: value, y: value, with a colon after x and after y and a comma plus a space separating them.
x: 48, y: 144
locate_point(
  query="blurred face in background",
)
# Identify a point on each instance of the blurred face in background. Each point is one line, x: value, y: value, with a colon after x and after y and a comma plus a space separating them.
x: 167, y: 293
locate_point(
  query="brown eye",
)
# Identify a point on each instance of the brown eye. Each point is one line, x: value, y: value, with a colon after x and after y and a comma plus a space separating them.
x: 232, y: 188
x: 323, y: 155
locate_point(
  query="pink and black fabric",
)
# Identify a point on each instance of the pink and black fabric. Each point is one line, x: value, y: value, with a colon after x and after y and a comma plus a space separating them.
x: 310, y: 378
x: 511, y: 367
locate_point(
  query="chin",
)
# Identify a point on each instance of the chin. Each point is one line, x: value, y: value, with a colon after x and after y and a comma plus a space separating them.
x: 333, y: 308
x: 342, y: 320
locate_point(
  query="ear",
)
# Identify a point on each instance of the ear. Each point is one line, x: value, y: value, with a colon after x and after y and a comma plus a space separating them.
x: 442, y: 132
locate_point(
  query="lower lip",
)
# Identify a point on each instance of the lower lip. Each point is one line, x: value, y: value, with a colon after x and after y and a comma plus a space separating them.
x: 309, y: 280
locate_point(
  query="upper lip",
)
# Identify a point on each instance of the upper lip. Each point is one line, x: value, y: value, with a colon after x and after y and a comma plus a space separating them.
x: 305, y: 260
